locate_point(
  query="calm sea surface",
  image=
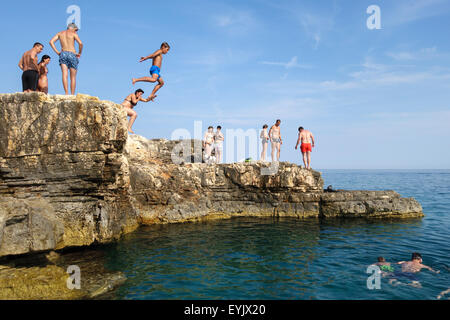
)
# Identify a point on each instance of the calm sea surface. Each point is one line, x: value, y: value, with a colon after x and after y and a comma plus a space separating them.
x: 267, y: 258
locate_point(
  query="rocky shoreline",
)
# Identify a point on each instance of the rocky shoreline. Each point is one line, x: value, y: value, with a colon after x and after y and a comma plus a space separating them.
x: 70, y: 176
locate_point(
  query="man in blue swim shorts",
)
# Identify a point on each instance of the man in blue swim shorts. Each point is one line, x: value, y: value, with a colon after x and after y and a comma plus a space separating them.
x: 155, y: 70
x: 68, y: 58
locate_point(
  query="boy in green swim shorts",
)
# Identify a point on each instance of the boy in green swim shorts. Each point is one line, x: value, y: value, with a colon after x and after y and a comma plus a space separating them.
x: 155, y: 69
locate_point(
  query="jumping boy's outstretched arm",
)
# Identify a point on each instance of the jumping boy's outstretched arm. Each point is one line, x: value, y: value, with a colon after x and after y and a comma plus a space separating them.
x: 153, y: 55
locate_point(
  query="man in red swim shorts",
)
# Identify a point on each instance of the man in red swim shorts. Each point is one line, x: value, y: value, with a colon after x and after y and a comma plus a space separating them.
x: 305, y: 137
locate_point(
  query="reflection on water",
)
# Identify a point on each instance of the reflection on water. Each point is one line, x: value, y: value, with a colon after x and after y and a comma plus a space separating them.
x: 255, y: 258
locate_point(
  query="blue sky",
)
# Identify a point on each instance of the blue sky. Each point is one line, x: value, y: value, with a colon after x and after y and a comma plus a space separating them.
x: 373, y: 98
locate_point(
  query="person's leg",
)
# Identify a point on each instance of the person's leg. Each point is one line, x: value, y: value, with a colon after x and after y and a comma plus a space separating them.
x: 272, y: 147
x: 153, y: 78
x: 65, y: 76
x: 157, y: 87
x: 133, y: 115
x: 279, y: 151
x: 73, y: 80
x: 305, y: 160
x: 308, y: 154
x: 264, y: 150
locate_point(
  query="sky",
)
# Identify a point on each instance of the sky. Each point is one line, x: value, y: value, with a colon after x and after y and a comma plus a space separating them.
x: 373, y: 98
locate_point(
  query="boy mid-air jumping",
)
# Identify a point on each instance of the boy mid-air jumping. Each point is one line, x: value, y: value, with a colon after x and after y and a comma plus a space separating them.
x: 155, y: 69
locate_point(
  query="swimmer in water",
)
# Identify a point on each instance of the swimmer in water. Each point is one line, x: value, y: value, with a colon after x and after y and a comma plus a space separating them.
x: 383, y: 265
x: 410, y: 270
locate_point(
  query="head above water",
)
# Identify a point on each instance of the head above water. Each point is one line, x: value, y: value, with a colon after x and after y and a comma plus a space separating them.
x: 165, y: 47
x: 381, y: 259
x: 416, y: 256
x: 72, y: 26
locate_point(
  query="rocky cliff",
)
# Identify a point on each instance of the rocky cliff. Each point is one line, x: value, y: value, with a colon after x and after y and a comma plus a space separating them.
x: 71, y: 176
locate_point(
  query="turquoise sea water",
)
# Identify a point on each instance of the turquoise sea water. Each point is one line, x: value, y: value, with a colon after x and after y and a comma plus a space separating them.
x: 257, y: 258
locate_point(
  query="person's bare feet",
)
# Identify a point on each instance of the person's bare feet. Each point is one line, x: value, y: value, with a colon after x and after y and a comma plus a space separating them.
x: 130, y: 131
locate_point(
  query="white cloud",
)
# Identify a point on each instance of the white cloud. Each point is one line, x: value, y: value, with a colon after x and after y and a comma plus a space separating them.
x: 293, y: 63
x: 425, y: 53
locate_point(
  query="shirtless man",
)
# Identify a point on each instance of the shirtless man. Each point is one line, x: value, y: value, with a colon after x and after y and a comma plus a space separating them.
x: 275, y: 138
x: 29, y: 65
x: 410, y: 268
x: 155, y: 70
x: 68, y: 58
x: 305, y: 137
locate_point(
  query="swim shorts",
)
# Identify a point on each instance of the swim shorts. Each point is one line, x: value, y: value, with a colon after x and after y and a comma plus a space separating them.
x: 305, y: 147
x: 30, y: 80
x: 155, y: 69
x: 69, y: 59
x: 276, y: 140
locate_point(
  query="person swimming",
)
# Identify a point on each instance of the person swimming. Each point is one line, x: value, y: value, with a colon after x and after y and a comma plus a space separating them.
x: 410, y: 270
x: 383, y: 265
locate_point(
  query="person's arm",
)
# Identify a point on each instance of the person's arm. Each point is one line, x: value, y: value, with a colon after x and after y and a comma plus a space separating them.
x: 153, y: 55
x: 281, y: 140
x: 80, y: 45
x: 145, y: 100
x: 312, y: 139
x: 270, y: 132
x: 21, y: 63
x: 429, y: 268
x: 52, y: 43
x: 298, y: 141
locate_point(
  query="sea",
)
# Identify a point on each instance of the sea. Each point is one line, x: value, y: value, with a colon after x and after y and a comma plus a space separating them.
x: 293, y: 259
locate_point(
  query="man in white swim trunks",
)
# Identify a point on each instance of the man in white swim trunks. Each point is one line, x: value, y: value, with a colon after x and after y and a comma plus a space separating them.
x: 218, y: 144
x: 208, y: 140
x: 275, y: 138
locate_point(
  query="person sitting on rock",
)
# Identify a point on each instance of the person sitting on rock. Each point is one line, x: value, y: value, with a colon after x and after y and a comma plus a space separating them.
x: 130, y: 102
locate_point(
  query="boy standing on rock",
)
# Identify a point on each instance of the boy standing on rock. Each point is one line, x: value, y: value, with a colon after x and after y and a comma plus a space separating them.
x: 155, y: 70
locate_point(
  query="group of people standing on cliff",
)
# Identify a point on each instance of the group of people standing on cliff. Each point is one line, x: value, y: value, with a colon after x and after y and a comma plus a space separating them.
x: 34, y: 76
x: 305, y: 137
x: 213, y: 141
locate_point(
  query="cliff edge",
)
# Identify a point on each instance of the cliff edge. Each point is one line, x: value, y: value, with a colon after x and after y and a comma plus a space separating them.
x: 71, y: 176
